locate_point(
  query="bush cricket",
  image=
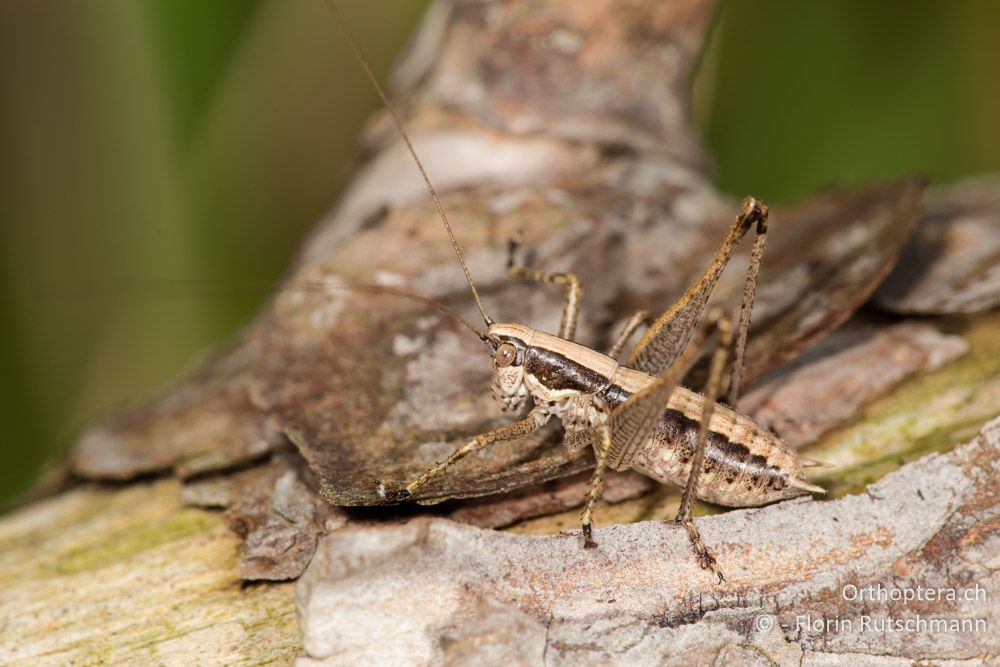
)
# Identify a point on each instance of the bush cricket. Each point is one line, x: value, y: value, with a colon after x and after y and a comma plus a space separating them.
x: 633, y: 414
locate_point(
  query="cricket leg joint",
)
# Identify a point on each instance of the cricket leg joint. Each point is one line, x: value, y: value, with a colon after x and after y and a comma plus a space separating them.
x: 574, y: 291
x: 532, y: 422
x: 753, y: 211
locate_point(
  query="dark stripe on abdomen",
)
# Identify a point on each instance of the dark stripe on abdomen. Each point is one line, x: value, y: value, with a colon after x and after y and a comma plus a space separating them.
x: 728, y: 462
x: 680, y: 430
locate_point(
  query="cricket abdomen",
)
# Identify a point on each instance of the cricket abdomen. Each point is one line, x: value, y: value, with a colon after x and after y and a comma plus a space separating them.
x: 745, y: 464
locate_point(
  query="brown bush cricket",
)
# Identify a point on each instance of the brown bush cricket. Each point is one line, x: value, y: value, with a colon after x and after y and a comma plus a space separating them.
x: 634, y: 415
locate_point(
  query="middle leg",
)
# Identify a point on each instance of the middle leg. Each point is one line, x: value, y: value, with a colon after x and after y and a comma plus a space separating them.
x: 637, y: 320
x: 571, y: 307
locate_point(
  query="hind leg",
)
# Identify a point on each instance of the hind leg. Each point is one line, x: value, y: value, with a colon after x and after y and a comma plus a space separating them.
x: 705, y: 557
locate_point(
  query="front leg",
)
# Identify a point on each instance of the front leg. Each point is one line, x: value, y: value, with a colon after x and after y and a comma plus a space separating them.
x: 602, y: 443
x: 519, y: 429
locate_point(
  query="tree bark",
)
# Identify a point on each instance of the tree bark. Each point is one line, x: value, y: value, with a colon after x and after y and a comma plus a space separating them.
x: 128, y: 575
x: 585, y: 132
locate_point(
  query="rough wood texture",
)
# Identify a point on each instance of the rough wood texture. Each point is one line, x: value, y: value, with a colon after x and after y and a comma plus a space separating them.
x: 952, y: 265
x: 163, y: 578
x: 126, y: 574
x: 130, y: 576
x: 640, y: 598
x: 369, y: 387
x: 832, y: 382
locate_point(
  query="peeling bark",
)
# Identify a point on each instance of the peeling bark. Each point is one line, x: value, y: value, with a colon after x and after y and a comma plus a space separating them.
x: 952, y: 265
x: 566, y: 121
x: 640, y: 597
x: 202, y: 424
x: 830, y: 384
x: 369, y: 386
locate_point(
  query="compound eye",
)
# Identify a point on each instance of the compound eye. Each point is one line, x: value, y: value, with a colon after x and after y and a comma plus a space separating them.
x: 506, y: 354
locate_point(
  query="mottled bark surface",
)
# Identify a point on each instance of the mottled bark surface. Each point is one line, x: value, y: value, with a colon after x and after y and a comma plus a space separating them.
x: 640, y: 598
x: 369, y: 387
x: 130, y: 576
x: 830, y: 384
x: 566, y: 121
x: 952, y: 265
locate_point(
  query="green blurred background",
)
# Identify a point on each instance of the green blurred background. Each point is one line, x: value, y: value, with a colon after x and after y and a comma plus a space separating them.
x: 160, y: 160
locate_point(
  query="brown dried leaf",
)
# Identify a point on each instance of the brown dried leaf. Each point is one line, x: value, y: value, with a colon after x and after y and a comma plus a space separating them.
x: 952, y: 263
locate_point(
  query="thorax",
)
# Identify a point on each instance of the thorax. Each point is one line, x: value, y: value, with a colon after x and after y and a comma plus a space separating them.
x: 556, y: 369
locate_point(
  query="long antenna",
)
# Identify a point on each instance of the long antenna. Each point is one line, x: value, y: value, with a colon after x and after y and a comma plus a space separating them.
x: 409, y: 146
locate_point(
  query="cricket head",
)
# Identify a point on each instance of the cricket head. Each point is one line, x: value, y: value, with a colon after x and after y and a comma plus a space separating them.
x: 508, y: 343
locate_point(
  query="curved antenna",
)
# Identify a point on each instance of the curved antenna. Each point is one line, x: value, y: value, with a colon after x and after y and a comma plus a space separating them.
x: 356, y: 47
